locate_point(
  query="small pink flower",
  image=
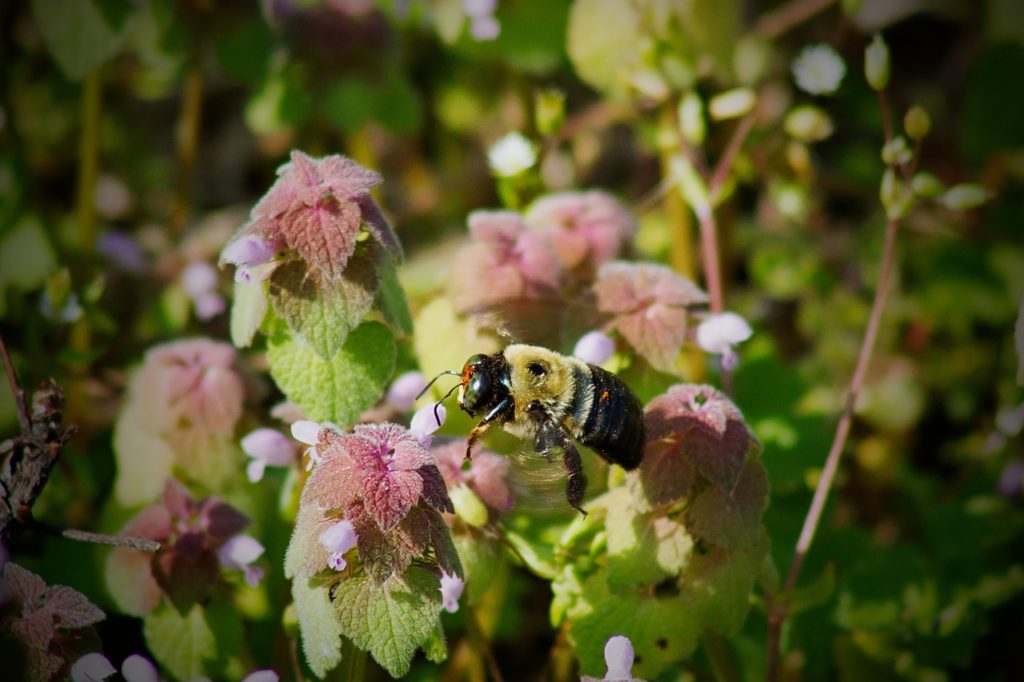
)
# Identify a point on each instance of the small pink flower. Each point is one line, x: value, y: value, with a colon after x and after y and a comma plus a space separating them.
x: 261, y: 676
x: 339, y: 539
x: 594, y: 347
x: 92, y: 668
x: 484, y: 28
x: 198, y: 277
x: 404, y: 390
x: 618, y: 656
x: 240, y: 552
x: 720, y: 333
x: 308, y: 432
x: 426, y: 421
x: 267, y: 447
x: 451, y: 590
x: 250, y: 250
x: 209, y: 305
x: 138, y: 668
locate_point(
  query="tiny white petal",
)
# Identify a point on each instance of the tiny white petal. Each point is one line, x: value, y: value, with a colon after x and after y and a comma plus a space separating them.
x: 339, y: 537
x: 718, y: 333
x: 451, y: 590
x: 511, y: 155
x: 306, y: 431
x: 818, y: 70
x: 253, y: 574
x: 255, y: 469
x: 426, y: 421
x: 618, y: 656
x: 240, y: 551
x: 198, y: 277
x: 336, y: 562
x: 209, y: 305
x: 594, y: 347
x: 269, y: 445
x: 483, y: 29
x: 92, y: 667
x: 138, y: 668
x: 261, y: 676
x: 403, y: 391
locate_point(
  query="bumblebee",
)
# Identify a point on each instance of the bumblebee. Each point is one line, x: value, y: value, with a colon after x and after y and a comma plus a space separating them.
x: 554, y: 400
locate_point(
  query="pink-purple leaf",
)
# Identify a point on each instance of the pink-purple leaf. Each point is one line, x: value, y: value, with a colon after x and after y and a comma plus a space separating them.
x: 221, y: 520
x: 317, y: 207
x: 664, y: 476
x: 72, y: 609
x: 708, y: 428
x: 587, y: 228
x: 648, y: 304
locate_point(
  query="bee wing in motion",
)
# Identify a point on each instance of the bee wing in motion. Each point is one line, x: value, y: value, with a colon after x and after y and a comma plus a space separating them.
x: 553, y: 322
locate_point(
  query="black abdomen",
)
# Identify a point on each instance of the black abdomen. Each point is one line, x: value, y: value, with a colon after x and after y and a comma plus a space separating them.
x: 614, y: 428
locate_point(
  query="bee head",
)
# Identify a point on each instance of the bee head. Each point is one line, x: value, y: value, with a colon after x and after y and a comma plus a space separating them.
x: 484, y: 382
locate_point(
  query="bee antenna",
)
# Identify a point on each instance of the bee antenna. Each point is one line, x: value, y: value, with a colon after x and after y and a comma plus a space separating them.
x: 425, y: 388
x: 437, y: 417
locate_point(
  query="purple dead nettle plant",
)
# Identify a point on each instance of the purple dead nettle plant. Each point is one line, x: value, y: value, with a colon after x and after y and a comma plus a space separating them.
x: 179, y: 420
x: 650, y: 306
x: 53, y: 624
x: 480, y: 492
x: 198, y: 539
x: 376, y: 490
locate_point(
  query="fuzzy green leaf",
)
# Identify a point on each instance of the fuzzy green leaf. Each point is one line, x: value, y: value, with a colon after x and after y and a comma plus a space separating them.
x: 481, y: 560
x: 600, y: 33
x: 662, y: 630
x: 392, y: 303
x: 341, y: 388
x: 195, y: 644
x: 719, y: 584
x: 323, y: 312
x: 643, y: 549
x: 732, y: 519
x: 247, y: 312
x: 321, y: 633
x: 391, y: 620
x: 82, y: 34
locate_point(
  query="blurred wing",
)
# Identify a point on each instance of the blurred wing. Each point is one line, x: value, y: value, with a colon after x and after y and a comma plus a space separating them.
x: 553, y: 322
x: 538, y: 484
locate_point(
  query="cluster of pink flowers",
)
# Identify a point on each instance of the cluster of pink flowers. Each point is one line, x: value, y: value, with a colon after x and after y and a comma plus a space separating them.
x: 197, y: 539
x: 179, y: 419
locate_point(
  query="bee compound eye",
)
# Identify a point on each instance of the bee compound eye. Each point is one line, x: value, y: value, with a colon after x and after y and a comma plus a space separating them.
x: 536, y: 369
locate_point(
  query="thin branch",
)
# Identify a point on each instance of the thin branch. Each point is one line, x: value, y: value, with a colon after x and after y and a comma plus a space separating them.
x: 480, y: 642
x: 724, y: 165
x: 778, y: 21
x: 709, y: 252
x: 777, y: 613
x: 188, y: 137
x: 126, y: 541
x: 19, y: 395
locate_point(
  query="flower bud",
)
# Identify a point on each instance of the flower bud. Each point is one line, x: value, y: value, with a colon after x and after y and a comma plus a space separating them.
x: 876, y: 63
x: 549, y: 112
x: 750, y: 59
x: 468, y: 506
x: 926, y: 185
x: 893, y: 194
x: 917, y: 122
x: 732, y: 104
x: 691, y: 118
x: 808, y: 123
x: 896, y: 152
x: 964, y: 196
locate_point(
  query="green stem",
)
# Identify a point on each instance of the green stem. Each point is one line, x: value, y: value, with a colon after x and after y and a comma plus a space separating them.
x: 353, y: 662
x: 88, y: 161
x: 679, y: 222
x: 717, y: 650
x: 188, y: 137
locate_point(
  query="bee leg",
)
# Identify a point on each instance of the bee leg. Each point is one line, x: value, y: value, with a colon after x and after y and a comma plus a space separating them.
x: 499, y: 411
x: 576, y: 486
x: 548, y: 436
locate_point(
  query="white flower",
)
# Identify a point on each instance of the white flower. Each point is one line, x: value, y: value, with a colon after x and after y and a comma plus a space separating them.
x: 405, y: 389
x: 339, y: 538
x: 618, y: 656
x: 308, y: 432
x: 138, y: 668
x: 511, y: 155
x: 594, y: 347
x: 238, y: 553
x: 267, y: 447
x: 92, y: 668
x: 451, y: 590
x: 261, y: 676
x: 427, y: 419
x: 719, y: 333
x: 818, y: 70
